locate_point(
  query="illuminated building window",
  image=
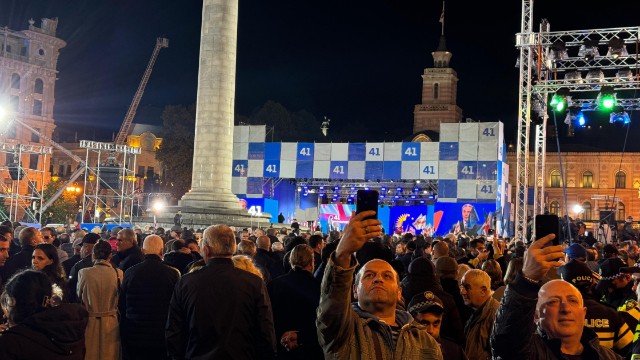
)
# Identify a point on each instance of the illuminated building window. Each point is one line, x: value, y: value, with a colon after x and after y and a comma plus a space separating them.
x: 587, y: 179
x: 556, y: 180
x: 621, y: 180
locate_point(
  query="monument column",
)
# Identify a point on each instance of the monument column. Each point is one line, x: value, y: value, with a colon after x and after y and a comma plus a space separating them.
x: 213, y: 143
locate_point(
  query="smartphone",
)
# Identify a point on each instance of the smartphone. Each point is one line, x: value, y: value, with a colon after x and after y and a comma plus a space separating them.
x: 367, y: 200
x: 548, y: 224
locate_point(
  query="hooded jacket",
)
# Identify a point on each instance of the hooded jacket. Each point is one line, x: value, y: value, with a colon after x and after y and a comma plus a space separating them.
x: 56, y: 333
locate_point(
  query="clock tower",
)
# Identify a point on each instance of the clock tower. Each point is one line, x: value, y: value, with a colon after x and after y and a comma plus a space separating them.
x: 439, y: 90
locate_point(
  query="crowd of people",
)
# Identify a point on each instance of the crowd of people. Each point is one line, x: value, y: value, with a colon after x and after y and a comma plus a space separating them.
x: 227, y: 293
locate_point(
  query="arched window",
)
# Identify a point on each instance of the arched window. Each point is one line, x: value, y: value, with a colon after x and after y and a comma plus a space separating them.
x: 621, y: 180
x: 37, y: 107
x: 38, y: 86
x: 556, y: 181
x: 15, y: 81
x: 587, y: 179
x: 587, y: 213
x: 620, y: 215
x: 555, y: 208
x: 435, y: 90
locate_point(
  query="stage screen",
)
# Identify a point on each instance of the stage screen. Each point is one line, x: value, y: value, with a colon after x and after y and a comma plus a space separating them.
x: 412, y: 219
x: 472, y: 219
x: 335, y: 216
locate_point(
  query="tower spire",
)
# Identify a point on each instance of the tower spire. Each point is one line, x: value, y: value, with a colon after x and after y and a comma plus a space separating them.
x: 442, y: 19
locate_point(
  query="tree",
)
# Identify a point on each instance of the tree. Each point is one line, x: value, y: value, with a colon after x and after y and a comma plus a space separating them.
x: 287, y: 125
x: 65, y: 207
x: 176, y: 150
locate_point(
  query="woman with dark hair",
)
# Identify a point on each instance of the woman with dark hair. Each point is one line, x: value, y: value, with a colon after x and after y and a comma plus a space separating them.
x: 45, y: 259
x: 99, y: 289
x: 35, y: 328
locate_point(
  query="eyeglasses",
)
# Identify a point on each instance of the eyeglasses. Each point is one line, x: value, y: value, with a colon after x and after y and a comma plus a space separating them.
x: 46, y: 237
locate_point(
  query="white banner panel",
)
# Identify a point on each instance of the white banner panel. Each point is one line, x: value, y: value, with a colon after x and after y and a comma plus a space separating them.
x: 287, y: 168
x: 488, y: 150
x: 429, y: 151
x: 468, y: 151
x: 255, y: 168
x: 241, y: 134
x: 448, y: 170
x: 289, y: 151
x: 239, y: 185
x: 321, y: 169
x: 466, y: 189
x: 240, y: 151
x: 487, y: 189
x: 468, y: 132
x: 356, y: 170
x: 411, y: 170
x: 257, y: 133
x: 374, y: 151
x: 449, y: 132
x: 393, y: 151
x: 429, y: 170
x: 322, y: 151
x: 339, y: 151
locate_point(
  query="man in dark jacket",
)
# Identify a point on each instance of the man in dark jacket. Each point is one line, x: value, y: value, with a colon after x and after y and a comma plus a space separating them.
x: 144, y: 302
x: 265, y: 258
x: 556, y: 308
x: 295, y: 297
x: 206, y: 301
x: 129, y: 253
x: 86, y: 250
x: 29, y: 238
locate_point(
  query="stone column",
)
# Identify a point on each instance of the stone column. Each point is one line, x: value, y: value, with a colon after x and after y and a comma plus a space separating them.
x: 213, y: 144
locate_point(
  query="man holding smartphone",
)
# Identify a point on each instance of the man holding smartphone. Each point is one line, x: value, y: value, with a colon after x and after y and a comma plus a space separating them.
x: 544, y: 321
x: 346, y: 330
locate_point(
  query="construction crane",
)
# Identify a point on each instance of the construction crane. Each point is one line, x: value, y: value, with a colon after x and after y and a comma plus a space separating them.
x: 121, y: 138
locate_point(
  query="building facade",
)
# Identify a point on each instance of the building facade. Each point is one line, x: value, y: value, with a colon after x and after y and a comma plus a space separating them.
x: 28, y: 62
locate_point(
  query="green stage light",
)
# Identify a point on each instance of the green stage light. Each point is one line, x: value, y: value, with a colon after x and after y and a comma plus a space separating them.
x: 560, y: 100
x: 606, y: 98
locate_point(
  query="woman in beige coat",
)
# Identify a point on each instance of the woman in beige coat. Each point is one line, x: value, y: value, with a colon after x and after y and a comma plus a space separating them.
x: 98, y: 289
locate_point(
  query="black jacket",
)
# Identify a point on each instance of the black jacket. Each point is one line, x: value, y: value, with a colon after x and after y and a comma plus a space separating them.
x: 295, y: 297
x: 73, y: 277
x: 178, y: 260
x: 123, y: 260
x: 54, y: 334
x: 269, y: 262
x: 19, y: 261
x: 515, y: 335
x: 68, y: 264
x: 220, y: 312
x: 144, y: 302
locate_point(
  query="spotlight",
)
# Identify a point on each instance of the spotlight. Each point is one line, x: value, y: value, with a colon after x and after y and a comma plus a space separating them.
x: 336, y: 188
x: 594, y: 76
x: 619, y: 116
x: 580, y: 119
x: 606, y: 98
x: 624, y: 74
x: 589, y: 50
x: 383, y: 189
x: 573, y: 77
x: 617, y: 48
x: 560, y: 99
x: 558, y: 51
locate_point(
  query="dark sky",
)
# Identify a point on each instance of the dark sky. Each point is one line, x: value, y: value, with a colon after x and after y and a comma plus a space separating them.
x: 353, y: 61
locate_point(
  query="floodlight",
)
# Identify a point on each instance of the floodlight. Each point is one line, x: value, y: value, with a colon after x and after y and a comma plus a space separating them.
x: 624, y: 75
x: 619, y: 116
x: 558, y: 51
x: 560, y: 100
x: 573, y: 77
x: 606, y: 98
x: 617, y: 48
x: 589, y: 50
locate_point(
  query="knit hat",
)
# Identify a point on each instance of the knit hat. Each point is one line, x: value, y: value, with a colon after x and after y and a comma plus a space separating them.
x: 576, y: 251
x: 446, y: 265
x: 90, y: 238
x: 426, y: 301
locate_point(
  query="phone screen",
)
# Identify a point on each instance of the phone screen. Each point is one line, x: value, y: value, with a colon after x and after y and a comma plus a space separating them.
x: 367, y: 200
x: 548, y: 224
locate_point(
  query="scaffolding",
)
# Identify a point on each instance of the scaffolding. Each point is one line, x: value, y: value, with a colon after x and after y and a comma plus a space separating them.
x: 24, y: 188
x: 109, y: 181
x: 543, y: 73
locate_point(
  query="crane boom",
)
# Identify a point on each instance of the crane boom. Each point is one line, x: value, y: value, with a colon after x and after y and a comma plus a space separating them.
x: 121, y: 138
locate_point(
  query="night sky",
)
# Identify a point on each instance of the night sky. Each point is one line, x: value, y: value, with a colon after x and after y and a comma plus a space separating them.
x: 353, y: 61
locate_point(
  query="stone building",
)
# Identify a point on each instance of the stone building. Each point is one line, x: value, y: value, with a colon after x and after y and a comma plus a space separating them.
x: 28, y: 61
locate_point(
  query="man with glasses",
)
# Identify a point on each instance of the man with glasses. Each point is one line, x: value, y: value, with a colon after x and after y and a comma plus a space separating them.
x: 128, y: 253
x: 49, y: 235
x: 29, y: 238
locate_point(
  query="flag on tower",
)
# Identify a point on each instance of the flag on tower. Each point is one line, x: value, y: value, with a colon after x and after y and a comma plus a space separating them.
x: 442, y: 15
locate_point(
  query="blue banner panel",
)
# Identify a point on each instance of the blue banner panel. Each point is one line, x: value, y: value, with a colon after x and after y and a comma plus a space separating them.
x: 304, y: 170
x: 448, y: 189
x: 472, y: 219
x: 357, y: 152
x: 305, y: 151
x: 410, y: 151
x: 256, y: 151
x: 487, y: 170
x: 338, y: 169
x: 272, y: 151
x: 448, y: 151
x: 239, y: 168
x: 271, y: 168
x: 373, y: 170
x: 254, y: 185
x: 392, y: 170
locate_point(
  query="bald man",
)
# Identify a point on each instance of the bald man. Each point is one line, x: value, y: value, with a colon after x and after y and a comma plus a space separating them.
x: 544, y: 321
x: 144, y: 303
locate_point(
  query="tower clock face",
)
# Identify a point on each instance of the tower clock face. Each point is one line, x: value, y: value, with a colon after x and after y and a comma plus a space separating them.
x: 147, y: 142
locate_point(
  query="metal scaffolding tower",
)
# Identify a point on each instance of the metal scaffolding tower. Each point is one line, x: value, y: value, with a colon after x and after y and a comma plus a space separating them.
x: 27, y: 183
x: 109, y: 184
x: 543, y: 73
